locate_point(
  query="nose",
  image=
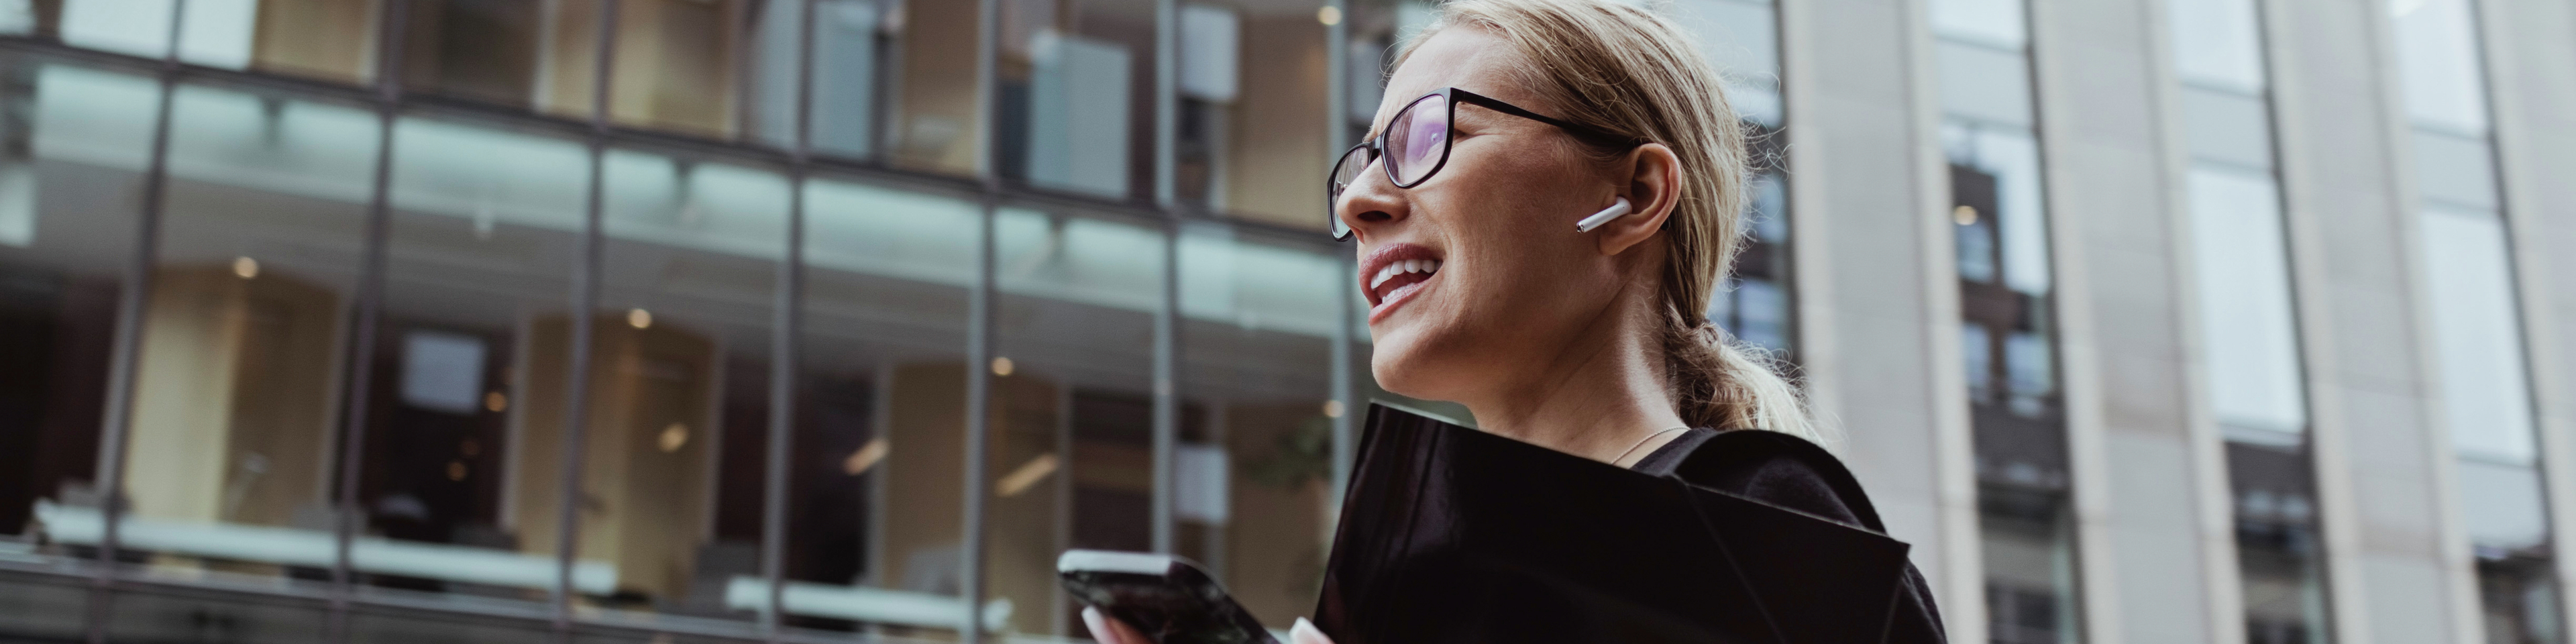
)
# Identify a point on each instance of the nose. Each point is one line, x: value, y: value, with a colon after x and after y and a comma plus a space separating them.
x: 1371, y: 204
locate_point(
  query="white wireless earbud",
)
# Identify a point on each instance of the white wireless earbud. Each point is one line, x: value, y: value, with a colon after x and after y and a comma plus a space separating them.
x: 1615, y: 211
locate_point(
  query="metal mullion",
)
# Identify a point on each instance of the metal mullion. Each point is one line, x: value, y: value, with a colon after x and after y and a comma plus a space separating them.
x: 1337, y: 55
x: 979, y: 324
x: 787, y: 338
x: 584, y: 301
x: 1167, y: 404
x: 128, y: 347
x: 1167, y: 411
x: 368, y: 315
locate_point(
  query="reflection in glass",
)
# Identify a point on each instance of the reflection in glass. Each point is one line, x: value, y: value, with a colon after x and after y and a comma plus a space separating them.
x: 1255, y: 476
x: 484, y: 50
x: 2008, y: 332
x: 1077, y: 120
x: 484, y: 235
x: 680, y: 379
x: 673, y: 63
x: 877, y: 447
x: 71, y: 165
x: 935, y: 99
x: 1253, y: 114
x: 1073, y: 408
x: 232, y: 442
x: 845, y: 40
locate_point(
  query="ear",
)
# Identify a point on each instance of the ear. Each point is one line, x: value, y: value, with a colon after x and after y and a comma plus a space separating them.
x: 1651, y: 179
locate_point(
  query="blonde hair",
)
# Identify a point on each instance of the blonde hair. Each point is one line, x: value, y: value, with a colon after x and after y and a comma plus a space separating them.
x: 1628, y: 71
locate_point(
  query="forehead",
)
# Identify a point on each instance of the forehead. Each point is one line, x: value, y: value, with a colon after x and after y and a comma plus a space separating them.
x: 1464, y: 57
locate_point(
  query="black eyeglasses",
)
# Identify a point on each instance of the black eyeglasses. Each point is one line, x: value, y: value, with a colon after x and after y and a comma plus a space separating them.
x: 1420, y: 135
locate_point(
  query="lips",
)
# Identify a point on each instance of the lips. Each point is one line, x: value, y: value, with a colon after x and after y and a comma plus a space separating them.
x: 1393, y: 273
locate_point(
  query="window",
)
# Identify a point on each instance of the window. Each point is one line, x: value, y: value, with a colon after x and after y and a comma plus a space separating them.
x: 2248, y: 325
x: 2477, y: 330
x: 2007, y: 307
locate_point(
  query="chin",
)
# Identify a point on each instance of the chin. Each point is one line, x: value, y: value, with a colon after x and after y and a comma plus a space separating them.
x: 1408, y: 362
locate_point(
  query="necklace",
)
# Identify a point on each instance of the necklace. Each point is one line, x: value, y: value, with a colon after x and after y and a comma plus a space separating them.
x: 1642, y: 443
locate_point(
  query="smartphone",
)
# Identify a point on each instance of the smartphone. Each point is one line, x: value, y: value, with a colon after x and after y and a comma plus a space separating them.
x: 1168, y: 598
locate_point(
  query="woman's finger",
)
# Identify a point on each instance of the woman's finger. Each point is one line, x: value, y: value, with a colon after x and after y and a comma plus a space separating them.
x: 1304, y: 632
x: 1111, y: 631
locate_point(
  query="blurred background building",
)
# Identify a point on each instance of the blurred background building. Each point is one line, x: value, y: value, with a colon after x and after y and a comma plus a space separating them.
x: 2236, y: 321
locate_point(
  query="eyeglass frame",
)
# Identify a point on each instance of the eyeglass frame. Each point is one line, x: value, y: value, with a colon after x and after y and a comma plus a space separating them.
x: 1451, y: 96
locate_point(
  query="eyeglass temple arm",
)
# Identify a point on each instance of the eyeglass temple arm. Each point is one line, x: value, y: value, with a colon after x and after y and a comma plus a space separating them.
x: 1498, y: 105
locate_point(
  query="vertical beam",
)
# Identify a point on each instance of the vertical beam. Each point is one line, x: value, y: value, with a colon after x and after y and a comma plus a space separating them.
x: 128, y: 348
x: 2531, y: 74
x: 1167, y: 398
x: 585, y: 304
x: 1167, y: 407
x: 2330, y: 448
x: 1878, y: 308
x: 368, y: 311
x: 787, y: 337
x: 2135, y: 386
x: 979, y: 324
x: 2349, y: 200
x: 1337, y: 98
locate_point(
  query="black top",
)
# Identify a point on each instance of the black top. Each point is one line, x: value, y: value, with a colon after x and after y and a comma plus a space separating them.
x: 1792, y: 473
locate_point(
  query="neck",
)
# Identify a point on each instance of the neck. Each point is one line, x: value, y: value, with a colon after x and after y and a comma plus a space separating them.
x: 1601, y: 397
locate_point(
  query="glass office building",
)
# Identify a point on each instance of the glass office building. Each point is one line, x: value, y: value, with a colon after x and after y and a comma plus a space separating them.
x: 658, y: 321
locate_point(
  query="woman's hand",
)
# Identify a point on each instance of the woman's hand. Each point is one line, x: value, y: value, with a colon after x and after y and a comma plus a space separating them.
x: 1111, y: 631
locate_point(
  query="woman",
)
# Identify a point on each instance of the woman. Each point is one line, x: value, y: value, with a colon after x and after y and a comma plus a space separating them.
x: 1507, y: 124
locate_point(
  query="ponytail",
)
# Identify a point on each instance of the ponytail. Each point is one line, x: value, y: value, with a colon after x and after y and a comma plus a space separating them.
x: 1721, y: 383
x: 1634, y: 73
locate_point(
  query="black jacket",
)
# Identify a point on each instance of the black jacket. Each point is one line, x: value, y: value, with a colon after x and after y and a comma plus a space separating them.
x: 1786, y: 471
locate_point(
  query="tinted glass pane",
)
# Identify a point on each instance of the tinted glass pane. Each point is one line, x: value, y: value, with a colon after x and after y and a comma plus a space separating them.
x: 71, y: 177
x: 2218, y: 43
x: 935, y: 96
x: 2455, y: 171
x: 233, y: 448
x: 875, y: 475
x: 1071, y: 455
x: 2228, y: 127
x: 2484, y: 382
x: 2437, y: 55
x: 1263, y: 142
x: 464, y: 457
x: 845, y: 43
x: 484, y: 50
x: 679, y: 400
x: 1256, y: 339
x: 2248, y: 331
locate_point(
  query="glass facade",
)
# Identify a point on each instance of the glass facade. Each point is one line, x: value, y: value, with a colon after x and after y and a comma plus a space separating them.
x: 2476, y: 319
x: 2250, y: 351
x: 2007, y: 332
x: 511, y: 349
x: 655, y: 321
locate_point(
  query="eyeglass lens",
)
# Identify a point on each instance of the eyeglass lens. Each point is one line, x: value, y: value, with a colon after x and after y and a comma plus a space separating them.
x: 1417, y: 138
x: 1416, y: 141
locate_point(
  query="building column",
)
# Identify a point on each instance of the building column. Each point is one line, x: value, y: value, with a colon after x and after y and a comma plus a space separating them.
x: 1878, y: 292
x: 2531, y: 72
x: 2348, y: 188
x: 2155, y: 542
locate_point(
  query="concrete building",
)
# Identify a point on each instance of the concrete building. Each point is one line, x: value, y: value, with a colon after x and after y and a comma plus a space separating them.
x: 2145, y: 321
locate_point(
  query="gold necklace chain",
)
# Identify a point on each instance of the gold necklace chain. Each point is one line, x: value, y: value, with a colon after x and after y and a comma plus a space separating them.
x: 1642, y: 443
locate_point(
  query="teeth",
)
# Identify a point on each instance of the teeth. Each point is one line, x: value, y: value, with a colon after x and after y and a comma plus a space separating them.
x: 1393, y: 269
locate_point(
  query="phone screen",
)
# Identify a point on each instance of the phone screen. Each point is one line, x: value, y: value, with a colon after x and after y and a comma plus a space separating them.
x: 1168, y: 598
